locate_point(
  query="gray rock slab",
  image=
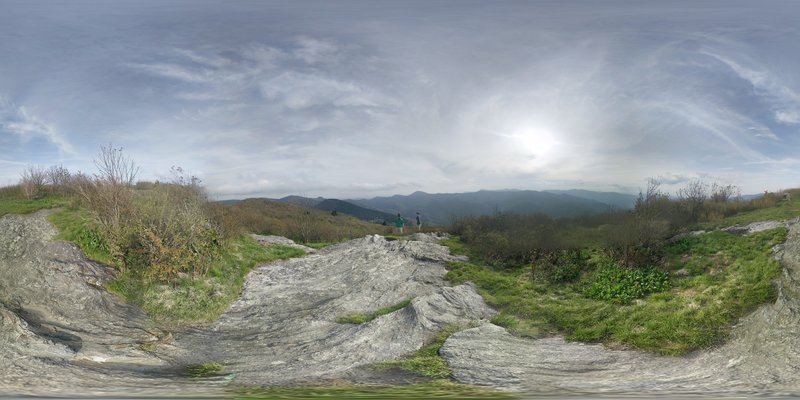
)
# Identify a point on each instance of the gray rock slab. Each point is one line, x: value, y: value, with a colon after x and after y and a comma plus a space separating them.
x: 755, y: 227
x: 283, y: 329
x: 431, y: 237
x: 272, y: 239
x: 61, y: 332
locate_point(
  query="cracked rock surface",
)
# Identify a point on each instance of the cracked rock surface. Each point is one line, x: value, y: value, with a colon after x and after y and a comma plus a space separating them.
x: 283, y: 328
x: 63, y: 334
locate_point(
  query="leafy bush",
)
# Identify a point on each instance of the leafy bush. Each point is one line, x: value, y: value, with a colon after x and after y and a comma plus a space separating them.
x: 508, y: 240
x: 204, y: 370
x: 560, y: 266
x: 170, y: 232
x: 622, y: 285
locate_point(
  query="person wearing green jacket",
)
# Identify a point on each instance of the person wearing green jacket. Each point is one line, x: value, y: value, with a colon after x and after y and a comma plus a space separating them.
x: 400, y: 222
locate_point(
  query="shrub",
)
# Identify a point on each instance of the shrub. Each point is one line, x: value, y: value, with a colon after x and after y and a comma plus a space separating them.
x: 59, y: 178
x: 32, y: 181
x: 508, y: 240
x: 560, y: 266
x: 171, y: 232
x: 109, y: 194
x: 615, y: 283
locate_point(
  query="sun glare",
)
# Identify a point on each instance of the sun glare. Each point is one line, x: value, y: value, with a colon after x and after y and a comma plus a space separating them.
x: 537, y: 146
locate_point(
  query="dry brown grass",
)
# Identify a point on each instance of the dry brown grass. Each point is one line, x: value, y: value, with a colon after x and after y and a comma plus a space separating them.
x: 299, y: 223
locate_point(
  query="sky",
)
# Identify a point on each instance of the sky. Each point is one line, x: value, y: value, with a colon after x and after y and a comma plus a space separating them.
x: 355, y: 99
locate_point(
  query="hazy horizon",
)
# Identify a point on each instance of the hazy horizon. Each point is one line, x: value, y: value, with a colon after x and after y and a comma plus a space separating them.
x: 356, y: 99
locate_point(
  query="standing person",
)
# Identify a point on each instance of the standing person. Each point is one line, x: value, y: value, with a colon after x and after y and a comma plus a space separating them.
x: 419, y: 222
x: 399, y: 223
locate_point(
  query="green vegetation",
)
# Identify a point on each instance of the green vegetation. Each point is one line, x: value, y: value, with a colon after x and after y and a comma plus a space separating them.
x: 426, y: 361
x: 612, y: 282
x: 713, y: 280
x: 434, y: 389
x: 775, y: 207
x: 617, y: 278
x: 175, y: 257
x: 12, y: 201
x: 191, y: 299
x: 364, y: 318
x: 77, y: 225
x: 204, y: 370
x: 319, y: 245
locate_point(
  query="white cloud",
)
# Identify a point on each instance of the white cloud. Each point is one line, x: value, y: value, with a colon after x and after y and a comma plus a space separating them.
x: 785, y: 98
x: 298, y: 91
x: 174, y: 71
x: 314, y: 51
x: 782, y: 161
x: 788, y: 117
x: 18, y: 121
x: 242, y: 188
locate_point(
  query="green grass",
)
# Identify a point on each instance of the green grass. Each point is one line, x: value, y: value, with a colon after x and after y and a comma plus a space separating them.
x: 15, y: 205
x: 456, y: 246
x: 76, y: 225
x: 715, y: 279
x: 426, y: 361
x: 188, y: 299
x: 200, y: 299
x: 319, y: 245
x: 204, y: 370
x: 434, y: 389
x: 786, y: 209
x: 364, y: 318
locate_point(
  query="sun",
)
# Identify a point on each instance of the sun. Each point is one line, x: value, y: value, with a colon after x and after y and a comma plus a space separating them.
x: 537, y: 142
x: 535, y: 146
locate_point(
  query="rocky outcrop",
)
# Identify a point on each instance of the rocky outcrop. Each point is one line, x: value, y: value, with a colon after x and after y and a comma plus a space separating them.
x: 283, y: 327
x: 758, y: 226
x: 62, y: 333
x: 280, y: 240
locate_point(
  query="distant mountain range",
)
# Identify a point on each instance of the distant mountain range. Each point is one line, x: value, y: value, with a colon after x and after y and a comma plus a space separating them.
x: 345, y: 207
x: 619, y: 200
x: 441, y: 208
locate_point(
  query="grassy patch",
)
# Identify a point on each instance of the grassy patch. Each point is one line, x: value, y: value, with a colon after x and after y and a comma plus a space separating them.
x: 204, y: 370
x: 197, y: 299
x: 715, y: 279
x: 77, y: 225
x: 786, y: 209
x: 16, y: 205
x: 438, y: 388
x: 319, y: 245
x: 456, y: 246
x: 622, y: 285
x: 363, y: 318
x: 426, y: 361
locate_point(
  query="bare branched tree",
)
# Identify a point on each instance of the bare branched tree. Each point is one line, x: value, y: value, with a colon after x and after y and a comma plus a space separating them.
x: 724, y: 193
x: 692, y: 197
x: 115, y: 168
x: 32, y: 181
x: 109, y: 193
x: 59, y: 178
